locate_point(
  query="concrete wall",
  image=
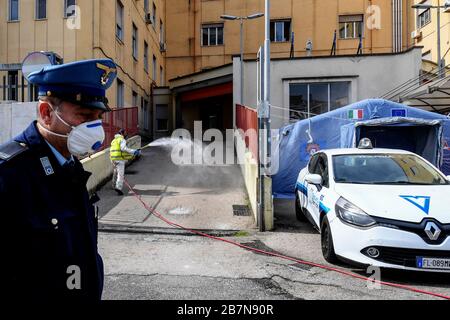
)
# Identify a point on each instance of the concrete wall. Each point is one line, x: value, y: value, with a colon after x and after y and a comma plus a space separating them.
x: 370, y: 77
x: 14, y: 118
x: 249, y: 169
x: 101, y: 167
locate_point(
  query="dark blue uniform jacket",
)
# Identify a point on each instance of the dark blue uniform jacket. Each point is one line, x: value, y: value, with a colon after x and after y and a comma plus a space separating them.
x: 49, y: 225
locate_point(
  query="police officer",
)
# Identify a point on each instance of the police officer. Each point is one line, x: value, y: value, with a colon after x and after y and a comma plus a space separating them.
x: 120, y: 153
x: 49, y: 221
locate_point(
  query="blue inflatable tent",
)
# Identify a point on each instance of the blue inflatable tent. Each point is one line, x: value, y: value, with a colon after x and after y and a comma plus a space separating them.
x: 387, y: 124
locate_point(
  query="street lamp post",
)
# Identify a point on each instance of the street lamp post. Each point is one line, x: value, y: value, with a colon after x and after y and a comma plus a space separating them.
x: 429, y: 6
x: 241, y: 19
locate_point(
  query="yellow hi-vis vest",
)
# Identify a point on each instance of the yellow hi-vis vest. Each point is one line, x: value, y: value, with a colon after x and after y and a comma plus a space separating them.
x: 115, y: 154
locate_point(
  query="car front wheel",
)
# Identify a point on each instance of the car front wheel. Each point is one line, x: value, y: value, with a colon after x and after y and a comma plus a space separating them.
x: 327, y: 242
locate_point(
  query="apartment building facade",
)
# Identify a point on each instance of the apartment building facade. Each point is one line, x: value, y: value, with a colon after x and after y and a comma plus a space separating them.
x: 425, y: 33
x: 131, y: 32
x: 199, y: 39
x: 164, y: 48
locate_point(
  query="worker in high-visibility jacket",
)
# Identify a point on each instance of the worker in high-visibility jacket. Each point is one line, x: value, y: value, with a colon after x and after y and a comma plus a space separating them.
x: 119, y: 155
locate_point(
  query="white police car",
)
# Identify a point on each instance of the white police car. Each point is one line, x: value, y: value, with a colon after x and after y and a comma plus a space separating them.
x: 380, y: 207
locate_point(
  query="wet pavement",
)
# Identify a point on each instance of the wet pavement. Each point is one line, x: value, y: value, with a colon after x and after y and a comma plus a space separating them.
x: 195, y: 196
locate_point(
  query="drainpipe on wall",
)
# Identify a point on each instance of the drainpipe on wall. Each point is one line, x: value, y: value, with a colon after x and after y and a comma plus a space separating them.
x: 152, y: 109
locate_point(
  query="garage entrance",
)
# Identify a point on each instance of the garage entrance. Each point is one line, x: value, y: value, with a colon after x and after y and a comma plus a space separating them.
x: 213, y: 106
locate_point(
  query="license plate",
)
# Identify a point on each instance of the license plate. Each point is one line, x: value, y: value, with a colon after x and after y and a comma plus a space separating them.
x: 433, y: 263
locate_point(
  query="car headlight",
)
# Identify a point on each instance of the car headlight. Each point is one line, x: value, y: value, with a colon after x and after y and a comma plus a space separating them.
x: 351, y: 214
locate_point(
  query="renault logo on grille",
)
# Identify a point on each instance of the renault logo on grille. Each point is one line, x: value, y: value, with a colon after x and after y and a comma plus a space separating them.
x: 432, y: 230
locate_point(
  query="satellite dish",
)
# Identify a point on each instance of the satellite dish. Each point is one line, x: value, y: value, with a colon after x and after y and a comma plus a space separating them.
x: 35, y: 61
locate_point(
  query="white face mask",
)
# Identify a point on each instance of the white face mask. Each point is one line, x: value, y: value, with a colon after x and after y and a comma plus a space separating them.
x: 84, y: 139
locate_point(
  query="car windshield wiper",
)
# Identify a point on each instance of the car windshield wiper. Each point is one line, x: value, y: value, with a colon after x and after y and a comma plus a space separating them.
x: 351, y: 182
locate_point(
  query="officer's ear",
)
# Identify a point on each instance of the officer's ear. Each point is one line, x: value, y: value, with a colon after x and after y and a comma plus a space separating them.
x: 44, y: 111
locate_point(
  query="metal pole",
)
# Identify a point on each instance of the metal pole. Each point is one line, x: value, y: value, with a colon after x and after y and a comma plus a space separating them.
x: 267, y: 94
x: 267, y: 54
x: 264, y: 115
x: 259, y: 82
x: 242, y: 61
x: 261, y: 142
x: 440, y: 66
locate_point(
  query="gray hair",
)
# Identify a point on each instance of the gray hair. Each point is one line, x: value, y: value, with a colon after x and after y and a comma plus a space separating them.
x: 54, y: 101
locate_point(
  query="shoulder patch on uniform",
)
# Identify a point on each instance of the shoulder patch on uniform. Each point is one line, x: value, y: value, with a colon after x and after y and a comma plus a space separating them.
x: 12, y: 149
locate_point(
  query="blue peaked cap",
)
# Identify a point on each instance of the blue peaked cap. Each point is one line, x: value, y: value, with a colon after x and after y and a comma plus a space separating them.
x: 82, y: 82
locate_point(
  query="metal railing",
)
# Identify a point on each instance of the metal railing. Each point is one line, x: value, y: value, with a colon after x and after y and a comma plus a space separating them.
x: 13, y: 90
x: 247, y: 119
x: 413, y: 84
x: 120, y: 118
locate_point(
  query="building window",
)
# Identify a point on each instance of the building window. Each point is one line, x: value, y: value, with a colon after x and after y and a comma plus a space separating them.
x: 161, y: 76
x: 119, y: 20
x: 69, y: 8
x: 154, y: 68
x: 13, y: 81
x: 161, y: 32
x: 154, y: 15
x: 120, y: 94
x: 145, y: 56
x: 423, y: 18
x: 162, y: 117
x: 280, y: 30
x: 135, y: 42
x: 309, y: 99
x: 13, y: 10
x: 41, y: 9
x: 212, y: 35
x: 146, y: 6
x: 145, y: 114
x: 351, y: 27
x: 135, y: 99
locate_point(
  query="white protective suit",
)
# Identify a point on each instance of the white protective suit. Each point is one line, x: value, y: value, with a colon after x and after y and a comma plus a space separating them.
x: 119, y: 166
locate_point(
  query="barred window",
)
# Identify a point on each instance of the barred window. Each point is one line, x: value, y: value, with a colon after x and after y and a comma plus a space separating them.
x: 424, y: 18
x: 212, y: 35
x: 351, y: 27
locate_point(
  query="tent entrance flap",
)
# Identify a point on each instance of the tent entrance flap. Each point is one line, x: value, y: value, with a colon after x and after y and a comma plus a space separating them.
x: 420, y: 139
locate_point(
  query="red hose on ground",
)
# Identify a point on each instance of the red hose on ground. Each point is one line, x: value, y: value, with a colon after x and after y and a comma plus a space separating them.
x: 344, y: 272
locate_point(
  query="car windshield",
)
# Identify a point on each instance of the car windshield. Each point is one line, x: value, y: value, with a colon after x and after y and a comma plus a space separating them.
x: 385, y: 169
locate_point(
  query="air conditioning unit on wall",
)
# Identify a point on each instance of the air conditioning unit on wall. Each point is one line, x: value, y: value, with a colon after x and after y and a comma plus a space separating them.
x: 447, y: 6
x: 416, y: 34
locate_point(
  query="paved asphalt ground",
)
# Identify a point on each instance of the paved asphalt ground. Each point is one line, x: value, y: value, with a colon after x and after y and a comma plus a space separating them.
x: 163, y: 265
x: 152, y: 266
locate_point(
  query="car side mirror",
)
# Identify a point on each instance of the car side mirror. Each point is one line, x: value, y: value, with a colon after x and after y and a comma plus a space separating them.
x: 314, y: 179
